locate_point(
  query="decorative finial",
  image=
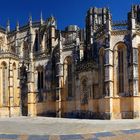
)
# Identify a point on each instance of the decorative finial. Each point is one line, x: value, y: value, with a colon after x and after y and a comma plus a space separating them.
x: 8, y: 25
x: 41, y: 18
x: 17, y: 26
x: 60, y: 40
x: 132, y: 12
x: 60, y: 35
x: 30, y: 19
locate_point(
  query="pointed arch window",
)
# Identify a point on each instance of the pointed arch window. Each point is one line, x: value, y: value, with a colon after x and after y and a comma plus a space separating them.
x: 40, y: 83
x: 121, y: 68
x: 69, y: 73
x: 25, y: 49
x: 68, y: 76
x: 39, y: 87
x: 36, y: 42
x: 121, y: 80
x: 40, y: 79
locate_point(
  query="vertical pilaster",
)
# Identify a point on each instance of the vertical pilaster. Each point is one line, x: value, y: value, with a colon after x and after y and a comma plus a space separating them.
x: 31, y: 84
x: 134, y: 65
x: 108, y: 60
x: 11, y: 94
x: 36, y: 80
x: 109, y: 91
x: 59, y: 66
x: 31, y: 94
x: 108, y: 72
x: 135, y: 71
x: 19, y: 91
x: 77, y: 93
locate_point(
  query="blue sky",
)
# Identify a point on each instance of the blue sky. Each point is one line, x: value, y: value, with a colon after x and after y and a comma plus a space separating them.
x: 66, y: 11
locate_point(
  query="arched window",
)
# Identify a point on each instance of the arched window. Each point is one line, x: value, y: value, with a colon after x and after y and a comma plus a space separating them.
x: 25, y: 49
x: 102, y: 71
x: 36, y: 42
x: 121, y: 68
x: 40, y: 82
x: 40, y: 78
x: 68, y: 75
x: 4, y: 84
x: 69, y: 72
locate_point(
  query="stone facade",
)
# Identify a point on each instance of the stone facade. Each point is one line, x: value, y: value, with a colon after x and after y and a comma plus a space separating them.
x: 78, y: 73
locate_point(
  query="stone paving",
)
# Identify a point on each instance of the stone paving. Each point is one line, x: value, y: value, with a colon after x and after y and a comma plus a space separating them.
x: 41, y: 128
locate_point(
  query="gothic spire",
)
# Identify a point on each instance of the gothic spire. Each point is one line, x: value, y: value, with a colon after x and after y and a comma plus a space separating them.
x: 8, y: 26
x: 30, y: 20
x: 41, y: 18
x: 17, y: 26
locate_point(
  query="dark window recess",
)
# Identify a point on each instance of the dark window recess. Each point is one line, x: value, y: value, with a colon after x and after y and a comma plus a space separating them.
x: 69, y: 80
x: 42, y: 80
x: 36, y: 42
x: 121, y: 70
x: 39, y: 81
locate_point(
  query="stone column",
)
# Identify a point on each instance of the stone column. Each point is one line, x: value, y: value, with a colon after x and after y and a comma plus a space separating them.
x: 59, y: 90
x: 134, y: 70
x: 59, y: 75
x: 108, y: 73
x: 31, y: 78
x: 109, y: 66
x: 109, y: 80
x: 134, y: 66
x: 19, y: 91
x: 11, y: 94
x: 31, y: 93
x: 36, y: 80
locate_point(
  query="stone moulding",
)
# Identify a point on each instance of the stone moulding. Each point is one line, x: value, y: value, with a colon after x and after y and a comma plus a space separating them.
x: 86, y: 66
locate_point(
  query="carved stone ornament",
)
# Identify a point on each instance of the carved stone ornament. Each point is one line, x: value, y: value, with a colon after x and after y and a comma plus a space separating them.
x: 1, y: 41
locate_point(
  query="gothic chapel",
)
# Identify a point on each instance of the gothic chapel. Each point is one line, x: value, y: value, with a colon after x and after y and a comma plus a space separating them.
x: 91, y: 73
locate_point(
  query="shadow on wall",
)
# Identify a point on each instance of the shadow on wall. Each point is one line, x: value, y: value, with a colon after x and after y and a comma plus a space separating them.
x: 79, y: 114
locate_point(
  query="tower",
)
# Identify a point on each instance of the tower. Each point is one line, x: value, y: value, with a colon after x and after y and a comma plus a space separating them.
x: 96, y: 18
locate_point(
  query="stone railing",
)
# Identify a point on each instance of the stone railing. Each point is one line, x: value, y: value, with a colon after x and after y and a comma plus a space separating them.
x: 8, y: 54
x: 119, y: 25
